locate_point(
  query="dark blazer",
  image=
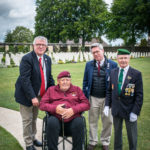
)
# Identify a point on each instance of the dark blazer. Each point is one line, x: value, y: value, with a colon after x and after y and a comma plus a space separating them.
x: 29, y: 81
x: 88, y: 74
x: 131, y: 97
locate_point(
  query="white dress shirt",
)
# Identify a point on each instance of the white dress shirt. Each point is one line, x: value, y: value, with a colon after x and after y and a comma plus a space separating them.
x: 44, y: 69
x: 101, y: 62
x: 124, y: 74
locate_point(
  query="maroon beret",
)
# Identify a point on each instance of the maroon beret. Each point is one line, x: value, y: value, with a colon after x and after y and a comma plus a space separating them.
x: 64, y: 74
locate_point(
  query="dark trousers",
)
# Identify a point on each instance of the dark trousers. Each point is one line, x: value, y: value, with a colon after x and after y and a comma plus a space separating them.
x: 131, y: 128
x: 75, y: 128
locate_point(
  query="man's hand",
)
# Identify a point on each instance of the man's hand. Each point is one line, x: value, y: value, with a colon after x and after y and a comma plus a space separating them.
x: 59, y: 109
x: 106, y: 111
x: 68, y: 113
x: 35, y: 102
x: 133, y: 117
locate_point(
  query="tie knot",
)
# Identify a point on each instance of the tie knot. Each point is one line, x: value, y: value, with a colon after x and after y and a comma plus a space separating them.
x: 99, y: 62
x: 122, y: 70
x: 40, y: 59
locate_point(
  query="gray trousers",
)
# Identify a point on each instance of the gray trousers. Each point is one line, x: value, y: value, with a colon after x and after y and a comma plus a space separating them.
x: 95, y: 112
x: 29, y: 118
x: 131, y: 128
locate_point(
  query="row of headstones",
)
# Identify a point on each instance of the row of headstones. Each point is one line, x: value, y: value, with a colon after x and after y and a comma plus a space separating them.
x: 68, y: 56
x: 86, y: 56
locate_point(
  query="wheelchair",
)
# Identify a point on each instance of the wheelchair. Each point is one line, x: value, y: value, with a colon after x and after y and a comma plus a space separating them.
x: 61, y: 134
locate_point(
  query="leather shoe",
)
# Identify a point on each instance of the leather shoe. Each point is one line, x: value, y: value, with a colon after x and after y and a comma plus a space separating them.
x: 30, y: 147
x: 91, y: 147
x: 37, y: 143
x: 105, y: 147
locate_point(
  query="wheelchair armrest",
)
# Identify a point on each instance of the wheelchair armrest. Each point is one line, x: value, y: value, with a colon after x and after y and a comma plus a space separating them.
x: 47, y: 114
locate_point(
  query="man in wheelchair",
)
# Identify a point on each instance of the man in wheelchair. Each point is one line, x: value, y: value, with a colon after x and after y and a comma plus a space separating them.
x: 65, y: 103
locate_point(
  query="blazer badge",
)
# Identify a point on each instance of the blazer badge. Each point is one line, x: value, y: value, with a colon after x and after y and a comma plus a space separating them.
x: 73, y: 94
x: 129, y: 90
x: 128, y: 77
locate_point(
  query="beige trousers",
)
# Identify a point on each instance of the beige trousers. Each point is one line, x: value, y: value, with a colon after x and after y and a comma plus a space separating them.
x: 96, y: 110
x: 29, y: 118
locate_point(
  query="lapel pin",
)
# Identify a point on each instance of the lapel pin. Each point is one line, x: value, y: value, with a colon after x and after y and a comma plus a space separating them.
x: 46, y: 60
x: 112, y: 86
x: 129, y: 77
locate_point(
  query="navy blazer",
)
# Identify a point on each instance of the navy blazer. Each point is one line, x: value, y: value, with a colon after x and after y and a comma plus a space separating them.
x: 88, y: 74
x: 131, y: 97
x: 29, y: 81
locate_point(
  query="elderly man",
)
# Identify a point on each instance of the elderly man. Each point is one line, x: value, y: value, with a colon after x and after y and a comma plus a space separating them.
x: 65, y: 101
x: 35, y: 77
x: 95, y: 83
x: 125, y: 97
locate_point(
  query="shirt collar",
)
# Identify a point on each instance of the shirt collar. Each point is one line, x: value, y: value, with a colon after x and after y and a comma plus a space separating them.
x: 101, y: 62
x: 125, y: 69
x: 40, y: 57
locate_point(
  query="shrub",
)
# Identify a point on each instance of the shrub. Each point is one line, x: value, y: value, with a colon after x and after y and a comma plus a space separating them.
x: 68, y: 61
x: 3, y: 59
x: 9, y: 66
x: 52, y: 57
x: 79, y: 58
x: 60, y: 61
x: 12, y: 62
x: 84, y: 60
x: 2, y: 49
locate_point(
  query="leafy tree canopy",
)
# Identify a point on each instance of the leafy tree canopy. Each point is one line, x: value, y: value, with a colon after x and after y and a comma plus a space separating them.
x: 19, y: 35
x: 60, y: 20
x: 129, y: 20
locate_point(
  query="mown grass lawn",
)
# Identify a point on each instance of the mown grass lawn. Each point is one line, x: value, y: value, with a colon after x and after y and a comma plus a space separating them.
x: 8, y: 78
x: 7, y: 141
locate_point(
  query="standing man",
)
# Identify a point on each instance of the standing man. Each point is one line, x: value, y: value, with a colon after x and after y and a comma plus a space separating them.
x: 95, y: 82
x: 125, y: 97
x: 35, y: 77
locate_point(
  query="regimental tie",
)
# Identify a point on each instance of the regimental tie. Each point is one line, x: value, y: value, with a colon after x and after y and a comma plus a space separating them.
x: 98, y: 68
x: 42, y: 89
x: 120, y: 81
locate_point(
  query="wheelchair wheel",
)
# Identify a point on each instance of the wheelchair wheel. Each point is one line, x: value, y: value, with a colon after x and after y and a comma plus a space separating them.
x: 44, y: 136
x: 84, y: 145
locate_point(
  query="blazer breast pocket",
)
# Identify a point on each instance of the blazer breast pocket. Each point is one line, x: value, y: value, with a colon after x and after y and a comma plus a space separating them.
x: 130, y: 89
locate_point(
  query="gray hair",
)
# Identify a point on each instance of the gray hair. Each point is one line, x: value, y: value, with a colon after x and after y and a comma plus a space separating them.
x: 97, y: 45
x: 40, y: 38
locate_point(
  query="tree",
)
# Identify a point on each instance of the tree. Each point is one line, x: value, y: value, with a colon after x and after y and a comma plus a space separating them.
x: 19, y: 35
x: 70, y: 19
x: 129, y: 20
x: 8, y: 37
x: 143, y: 43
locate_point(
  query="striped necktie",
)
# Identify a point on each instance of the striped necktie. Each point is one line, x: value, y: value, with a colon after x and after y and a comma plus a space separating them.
x: 120, y: 81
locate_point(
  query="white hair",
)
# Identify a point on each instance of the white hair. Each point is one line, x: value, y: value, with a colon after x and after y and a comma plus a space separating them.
x: 40, y: 38
x: 97, y: 45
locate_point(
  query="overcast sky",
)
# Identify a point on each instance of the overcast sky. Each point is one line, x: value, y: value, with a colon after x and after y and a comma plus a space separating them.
x: 19, y: 13
x: 16, y: 13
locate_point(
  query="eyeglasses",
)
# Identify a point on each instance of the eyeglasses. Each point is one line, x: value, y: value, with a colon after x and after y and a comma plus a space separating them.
x: 40, y: 45
x: 96, y: 52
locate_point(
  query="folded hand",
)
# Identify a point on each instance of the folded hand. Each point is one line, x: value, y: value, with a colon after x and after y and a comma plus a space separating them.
x: 68, y: 113
x: 59, y: 109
